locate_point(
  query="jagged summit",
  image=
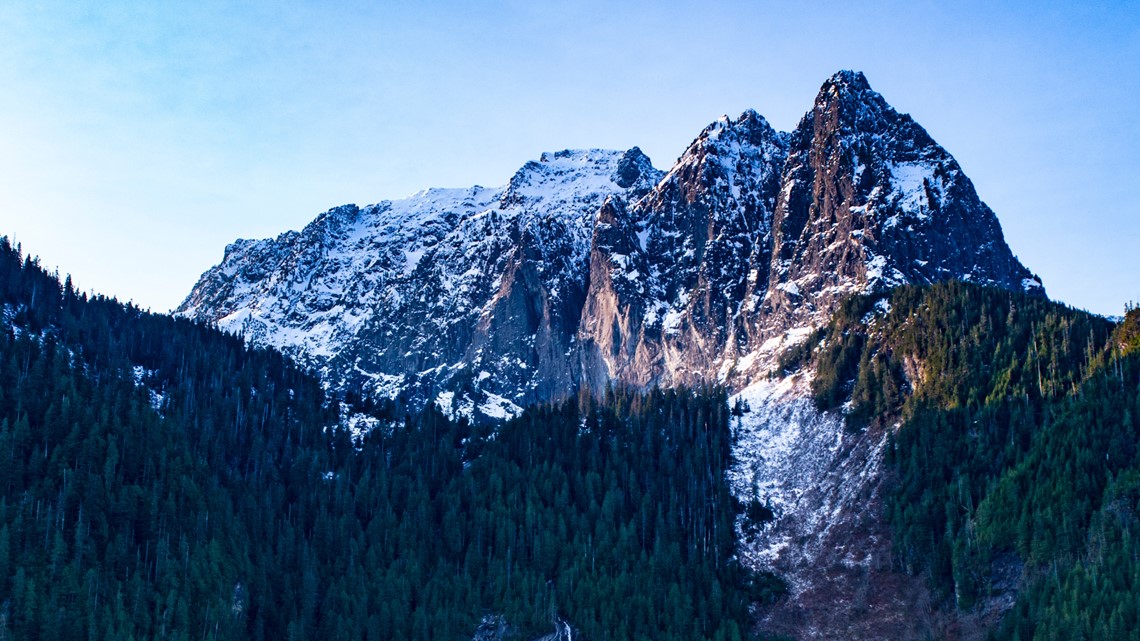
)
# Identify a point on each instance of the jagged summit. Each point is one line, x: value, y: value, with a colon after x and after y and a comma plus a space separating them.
x: 593, y: 267
x: 849, y: 81
x: 869, y: 201
x: 694, y: 241
x: 571, y: 173
x: 750, y: 126
x: 851, y: 90
x: 850, y: 98
x: 449, y: 288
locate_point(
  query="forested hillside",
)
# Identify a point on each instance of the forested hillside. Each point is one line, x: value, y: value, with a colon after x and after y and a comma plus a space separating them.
x: 1014, y: 463
x: 161, y: 481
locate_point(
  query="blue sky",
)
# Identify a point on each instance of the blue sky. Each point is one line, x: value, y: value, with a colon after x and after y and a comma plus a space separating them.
x: 138, y: 139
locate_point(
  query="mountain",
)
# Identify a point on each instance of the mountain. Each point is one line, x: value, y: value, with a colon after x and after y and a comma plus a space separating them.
x: 870, y: 201
x: 917, y: 444
x: 592, y: 267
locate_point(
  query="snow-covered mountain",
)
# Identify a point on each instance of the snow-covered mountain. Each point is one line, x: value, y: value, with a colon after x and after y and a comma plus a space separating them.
x: 592, y: 267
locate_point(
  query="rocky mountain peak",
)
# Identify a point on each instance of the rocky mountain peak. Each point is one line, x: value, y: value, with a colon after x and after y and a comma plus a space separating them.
x: 664, y: 304
x: 564, y: 175
x: 869, y: 200
x: 848, y: 91
x: 750, y: 128
x: 846, y: 106
x: 724, y: 163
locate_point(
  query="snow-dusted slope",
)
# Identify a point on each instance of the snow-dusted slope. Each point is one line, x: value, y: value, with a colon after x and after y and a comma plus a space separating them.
x: 592, y: 267
x: 307, y: 293
x: 828, y: 538
x: 457, y: 290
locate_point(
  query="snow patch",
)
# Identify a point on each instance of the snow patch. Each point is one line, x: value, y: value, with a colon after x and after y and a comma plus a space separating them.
x: 412, y: 259
x: 359, y: 425
x: 643, y: 239
x: 880, y: 273
x: 910, y: 180
x: 672, y: 322
x: 500, y: 408
x: 789, y: 338
x: 790, y: 288
x: 808, y: 468
x: 140, y: 375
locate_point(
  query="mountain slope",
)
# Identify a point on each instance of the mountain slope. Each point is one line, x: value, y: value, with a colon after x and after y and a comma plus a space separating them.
x: 147, y: 460
x: 978, y: 441
x: 593, y: 268
x: 162, y: 480
x: 463, y: 290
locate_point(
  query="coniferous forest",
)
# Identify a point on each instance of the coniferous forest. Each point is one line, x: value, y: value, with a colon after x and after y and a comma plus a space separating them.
x: 162, y: 481
x: 1015, y: 457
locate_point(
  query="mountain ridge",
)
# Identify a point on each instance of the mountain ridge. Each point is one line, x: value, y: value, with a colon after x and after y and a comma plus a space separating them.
x: 592, y: 267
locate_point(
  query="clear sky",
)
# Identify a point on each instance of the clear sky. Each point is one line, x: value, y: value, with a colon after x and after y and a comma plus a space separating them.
x: 138, y: 139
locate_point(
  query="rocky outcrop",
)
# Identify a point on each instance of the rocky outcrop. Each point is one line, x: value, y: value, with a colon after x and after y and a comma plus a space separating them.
x: 674, y: 271
x: 467, y: 297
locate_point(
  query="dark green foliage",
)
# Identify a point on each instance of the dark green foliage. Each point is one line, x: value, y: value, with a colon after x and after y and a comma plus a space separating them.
x: 126, y: 515
x: 1071, y: 508
x: 850, y: 366
x: 837, y: 359
x: 1017, y: 448
x: 162, y: 481
x: 1128, y: 334
x: 613, y: 516
x: 1092, y: 595
x: 757, y: 514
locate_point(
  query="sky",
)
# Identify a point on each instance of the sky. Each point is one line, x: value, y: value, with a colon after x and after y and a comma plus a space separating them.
x: 138, y: 139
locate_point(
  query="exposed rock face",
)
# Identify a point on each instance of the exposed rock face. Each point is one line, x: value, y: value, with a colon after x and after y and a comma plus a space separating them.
x: 675, y: 270
x: 870, y: 201
x: 592, y: 267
